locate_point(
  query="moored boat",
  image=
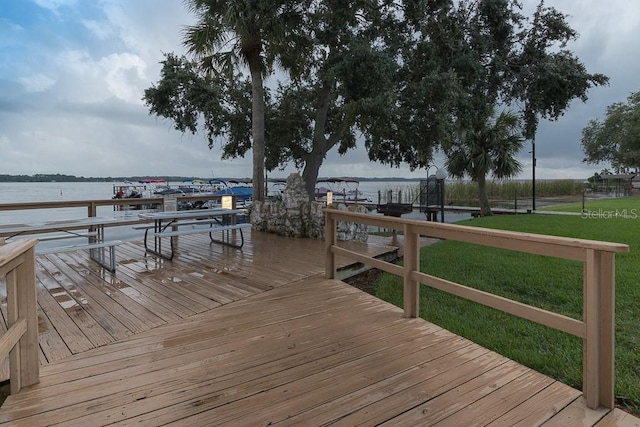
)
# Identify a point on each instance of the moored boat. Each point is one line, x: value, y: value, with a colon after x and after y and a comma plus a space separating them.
x: 343, y: 189
x: 242, y: 189
x: 141, y: 190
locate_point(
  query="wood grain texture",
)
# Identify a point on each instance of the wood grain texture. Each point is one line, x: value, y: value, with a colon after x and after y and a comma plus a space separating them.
x: 259, y: 337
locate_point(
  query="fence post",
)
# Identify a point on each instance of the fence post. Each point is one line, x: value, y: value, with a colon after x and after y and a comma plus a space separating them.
x: 411, y: 289
x: 599, y: 313
x: 92, y: 210
x: 330, y: 239
x: 22, y: 304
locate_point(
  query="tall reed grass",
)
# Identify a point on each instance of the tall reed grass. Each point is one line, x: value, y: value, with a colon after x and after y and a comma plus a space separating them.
x: 501, y: 193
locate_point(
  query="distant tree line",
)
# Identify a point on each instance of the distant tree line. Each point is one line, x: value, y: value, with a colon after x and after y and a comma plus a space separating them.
x: 49, y: 178
x: 72, y: 178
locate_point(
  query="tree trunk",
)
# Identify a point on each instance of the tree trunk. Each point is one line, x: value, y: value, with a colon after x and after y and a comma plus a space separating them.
x: 320, y: 144
x: 311, y: 169
x: 257, y: 128
x: 485, y: 209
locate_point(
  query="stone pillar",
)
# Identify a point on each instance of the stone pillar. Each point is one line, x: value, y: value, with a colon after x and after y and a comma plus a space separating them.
x: 295, y: 216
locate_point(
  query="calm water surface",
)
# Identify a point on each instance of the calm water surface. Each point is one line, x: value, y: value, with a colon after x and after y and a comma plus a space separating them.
x: 52, y: 192
x: 71, y: 191
x: 67, y: 191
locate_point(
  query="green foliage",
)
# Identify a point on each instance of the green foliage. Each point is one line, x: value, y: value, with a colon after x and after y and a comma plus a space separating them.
x: 620, y: 206
x: 349, y: 74
x: 229, y: 35
x: 540, y: 281
x: 342, y: 58
x: 467, y: 58
x: 615, y: 140
x: 422, y: 110
x: 404, y: 75
x: 551, y: 76
x: 192, y: 100
x: 489, y: 146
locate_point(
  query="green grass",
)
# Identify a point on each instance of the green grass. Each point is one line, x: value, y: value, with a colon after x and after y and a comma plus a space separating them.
x: 623, y: 206
x: 540, y: 281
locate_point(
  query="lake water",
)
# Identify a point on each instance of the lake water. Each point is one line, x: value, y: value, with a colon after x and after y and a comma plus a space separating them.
x: 68, y: 191
x: 64, y: 191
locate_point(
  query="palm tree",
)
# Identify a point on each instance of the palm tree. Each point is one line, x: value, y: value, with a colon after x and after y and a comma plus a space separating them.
x: 488, y: 145
x: 232, y: 34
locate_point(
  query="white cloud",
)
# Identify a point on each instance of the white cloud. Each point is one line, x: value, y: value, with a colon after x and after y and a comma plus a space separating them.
x: 54, y: 5
x: 124, y: 75
x: 77, y: 108
x: 102, y: 30
x: 37, y: 83
x: 121, y: 75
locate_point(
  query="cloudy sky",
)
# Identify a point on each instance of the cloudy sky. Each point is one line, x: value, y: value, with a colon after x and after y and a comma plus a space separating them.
x: 73, y: 72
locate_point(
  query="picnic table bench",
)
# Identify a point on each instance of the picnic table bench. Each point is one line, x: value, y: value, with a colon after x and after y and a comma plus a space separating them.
x: 67, y: 229
x: 169, y: 224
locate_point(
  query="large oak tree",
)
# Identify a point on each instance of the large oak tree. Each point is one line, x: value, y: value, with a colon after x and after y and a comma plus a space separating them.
x: 231, y: 34
x: 616, y: 139
x: 353, y: 78
x: 503, y: 59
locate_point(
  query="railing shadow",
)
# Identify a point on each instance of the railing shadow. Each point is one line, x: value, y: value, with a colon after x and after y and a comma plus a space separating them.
x: 597, y: 327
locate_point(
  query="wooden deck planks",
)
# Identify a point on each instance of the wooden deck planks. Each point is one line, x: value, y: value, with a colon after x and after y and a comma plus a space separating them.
x: 82, y: 306
x: 315, y: 352
x: 226, y: 337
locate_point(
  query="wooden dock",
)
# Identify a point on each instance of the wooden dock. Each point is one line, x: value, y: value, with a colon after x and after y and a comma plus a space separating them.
x: 257, y: 336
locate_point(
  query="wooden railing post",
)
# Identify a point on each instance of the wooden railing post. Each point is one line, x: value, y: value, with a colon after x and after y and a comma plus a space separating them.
x: 330, y: 239
x: 411, y: 263
x: 597, y: 328
x: 21, y: 339
x: 92, y: 210
x: 599, y: 314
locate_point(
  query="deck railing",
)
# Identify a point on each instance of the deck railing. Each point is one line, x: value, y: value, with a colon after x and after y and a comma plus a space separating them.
x: 20, y: 342
x: 91, y: 205
x: 596, y: 328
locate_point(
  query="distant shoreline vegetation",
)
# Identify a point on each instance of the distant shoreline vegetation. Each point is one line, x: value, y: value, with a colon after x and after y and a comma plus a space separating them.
x: 73, y: 178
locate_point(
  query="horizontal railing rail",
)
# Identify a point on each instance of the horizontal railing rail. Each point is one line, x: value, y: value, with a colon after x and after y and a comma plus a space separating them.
x: 20, y: 341
x: 92, y: 205
x: 596, y: 328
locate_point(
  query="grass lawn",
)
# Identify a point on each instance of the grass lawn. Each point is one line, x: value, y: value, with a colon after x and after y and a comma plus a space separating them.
x: 622, y: 206
x: 540, y: 281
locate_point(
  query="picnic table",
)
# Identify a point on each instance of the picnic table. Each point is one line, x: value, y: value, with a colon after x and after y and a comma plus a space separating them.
x: 169, y: 224
x: 70, y: 228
